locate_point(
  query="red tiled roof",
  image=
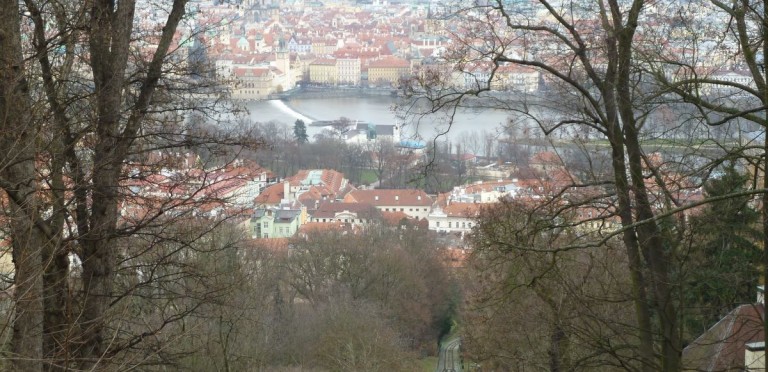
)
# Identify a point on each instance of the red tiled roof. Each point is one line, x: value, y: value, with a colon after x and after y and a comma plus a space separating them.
x: 393, y: 197
x: 388, y: 62
x: 546, y: 157
x: 329, y: 210
x: 487, y: 186
x: 324, y: 62
x: 251, y: 71
x: 271, y: 195
x: 321, y: 226
x: 515, y: 69
x: 462, y: 209
x: 394, y: 218
x: 721, y: 348
x: 275, y: 245
x: 330, y: 178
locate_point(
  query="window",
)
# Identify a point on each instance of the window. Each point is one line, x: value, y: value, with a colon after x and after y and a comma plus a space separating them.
x: 437, y: 224
x: 449, y: 224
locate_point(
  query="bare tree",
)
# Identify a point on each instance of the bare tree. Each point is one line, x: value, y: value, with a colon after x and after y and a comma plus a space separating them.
x: 20, y: 183
x: 585, y: 51
x: 397, y: 272
x: 342, y: 126
x: 95, y: 120
x: 568, y: 302
x: 735, y: 108
x: 383, y: 157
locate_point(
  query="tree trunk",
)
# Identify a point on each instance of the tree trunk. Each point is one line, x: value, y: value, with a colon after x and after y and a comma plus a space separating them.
x: 26, y: 342
x: 110, y: 37
x: 651, y: 242
x: 58, y: 330
x: 558, y: 352
x: 59, y: 334
x: 764, y: 207
x: 98, y: 273
x: 17, y: 170
x: 624, y: 208
x: 649, y: 236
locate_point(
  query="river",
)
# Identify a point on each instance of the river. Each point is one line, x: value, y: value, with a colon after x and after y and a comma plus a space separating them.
x: 376, y: 110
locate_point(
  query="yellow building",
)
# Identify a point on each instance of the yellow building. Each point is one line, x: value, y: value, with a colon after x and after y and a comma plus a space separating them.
x: 253, y: 82
x: 323, y: 71
x: 387, y: 70
x: 323, y: 46
x: 516, y: 78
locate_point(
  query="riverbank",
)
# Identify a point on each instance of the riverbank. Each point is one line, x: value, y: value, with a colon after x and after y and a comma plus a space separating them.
x: 337, y: 92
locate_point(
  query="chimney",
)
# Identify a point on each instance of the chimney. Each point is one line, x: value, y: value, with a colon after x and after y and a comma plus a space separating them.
x: 754, y: 356
x: 375, y: 197
x: 418, y: 197
x: 286, y: 190
x: 397, y: 197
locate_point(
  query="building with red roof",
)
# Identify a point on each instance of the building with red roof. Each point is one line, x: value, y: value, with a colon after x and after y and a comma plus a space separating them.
x: 271, y: 196
x: 323, y: 71
x: 253, y: 82
x: 351, y: 213
x: 546, y: 161
x: 282, y: 221
x: 730, y: 343
x: 387, y: 71
x: 454, y: 217
x: 315, y: 185
x: 412, y: 202
x: 306, y: 230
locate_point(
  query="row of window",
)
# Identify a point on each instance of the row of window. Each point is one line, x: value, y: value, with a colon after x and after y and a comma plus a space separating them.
x: 403, y: 210
x: 345, y: 220
x: 257, y: 229
x: 464, y: 224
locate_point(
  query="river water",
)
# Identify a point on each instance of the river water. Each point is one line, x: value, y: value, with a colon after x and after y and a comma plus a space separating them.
x: 376, y: 110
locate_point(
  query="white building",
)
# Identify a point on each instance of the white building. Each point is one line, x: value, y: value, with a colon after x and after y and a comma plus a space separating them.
x: 413, y: 203
x: 454, y: 218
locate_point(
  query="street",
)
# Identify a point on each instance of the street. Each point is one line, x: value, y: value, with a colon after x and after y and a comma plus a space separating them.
x: 449, y: 359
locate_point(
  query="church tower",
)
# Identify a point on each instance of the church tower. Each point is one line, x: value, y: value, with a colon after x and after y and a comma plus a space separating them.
x: 283, y: 63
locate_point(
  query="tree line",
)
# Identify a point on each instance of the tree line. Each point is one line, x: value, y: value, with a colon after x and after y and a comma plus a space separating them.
x: 377, y: 300
x: 381, y: 161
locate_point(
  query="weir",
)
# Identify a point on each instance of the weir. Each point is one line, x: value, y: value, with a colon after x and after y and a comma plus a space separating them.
x: 280, y: 105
